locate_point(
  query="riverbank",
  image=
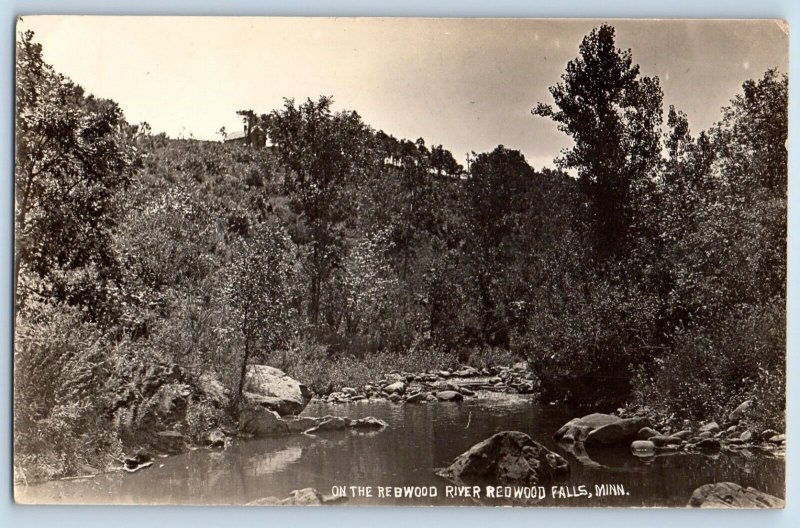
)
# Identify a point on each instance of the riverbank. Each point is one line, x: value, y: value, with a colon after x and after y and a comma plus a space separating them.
x: 201, y: 416
x: 418, y: 440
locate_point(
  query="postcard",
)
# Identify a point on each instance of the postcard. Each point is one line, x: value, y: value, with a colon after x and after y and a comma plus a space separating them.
x: 400, y: 261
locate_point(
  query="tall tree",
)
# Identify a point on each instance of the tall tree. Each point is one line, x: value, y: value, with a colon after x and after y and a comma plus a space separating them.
x: 325, y: 154
x: 497, y: 193
x: 613, y: 115
x: 73, y: 157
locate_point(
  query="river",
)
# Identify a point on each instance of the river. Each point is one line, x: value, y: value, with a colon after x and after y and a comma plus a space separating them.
x: 419, y: 439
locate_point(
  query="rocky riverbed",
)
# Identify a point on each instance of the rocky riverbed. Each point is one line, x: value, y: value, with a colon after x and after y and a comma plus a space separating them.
x: 442, y: 385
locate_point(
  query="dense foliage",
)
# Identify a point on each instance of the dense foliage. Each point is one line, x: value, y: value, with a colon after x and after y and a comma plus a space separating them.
x: 151, y: 270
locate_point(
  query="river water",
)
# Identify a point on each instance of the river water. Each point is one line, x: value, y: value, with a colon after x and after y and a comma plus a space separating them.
x: 419, y: 439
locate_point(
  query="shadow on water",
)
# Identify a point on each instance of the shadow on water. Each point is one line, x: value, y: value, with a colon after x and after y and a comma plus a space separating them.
x: 418, y: 440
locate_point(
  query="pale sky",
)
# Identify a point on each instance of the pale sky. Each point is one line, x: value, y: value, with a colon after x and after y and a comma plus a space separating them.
x: 468, y: 84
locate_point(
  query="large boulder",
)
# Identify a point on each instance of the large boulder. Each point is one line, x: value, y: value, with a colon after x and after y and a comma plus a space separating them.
x: 577, y: 429
x: 508, y: 457
x: 616, y: 434
x: 271, y: 388
x: 730, y: 495
x: 259, y: 421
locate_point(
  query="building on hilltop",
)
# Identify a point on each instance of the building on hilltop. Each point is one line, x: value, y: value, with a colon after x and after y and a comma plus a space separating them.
x: 250, y: 136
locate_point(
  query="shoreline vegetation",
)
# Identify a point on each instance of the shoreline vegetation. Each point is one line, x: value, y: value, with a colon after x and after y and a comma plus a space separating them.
x: 645, y: 277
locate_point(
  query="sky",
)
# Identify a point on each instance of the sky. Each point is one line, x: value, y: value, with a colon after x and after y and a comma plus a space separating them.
x: 468, y: 84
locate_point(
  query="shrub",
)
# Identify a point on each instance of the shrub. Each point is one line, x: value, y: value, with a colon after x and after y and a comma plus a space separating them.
x: 713, y: 368
x: 61, y: 394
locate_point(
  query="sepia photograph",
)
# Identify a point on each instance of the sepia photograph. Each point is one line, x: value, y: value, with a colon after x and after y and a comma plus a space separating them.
x: 299, y: 261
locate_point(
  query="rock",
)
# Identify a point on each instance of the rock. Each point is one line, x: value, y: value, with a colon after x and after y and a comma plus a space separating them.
x: 417, y: 397
x: 302, y: 424
x: 620, y: 433
x: 710, y: 427
x: 449, y: 395
x: 370, y: 422
x: 449, y: 385
x: 303, y: 497
x: 520, y: 365
x: 508, y: 457
x: 260, y: 421
x: 663, y: 440
x: 708, y: 445
x: 350, y: 391
x: 272, y: 388
x: 329, y: 423
x: 466, y: 372
x: 643, y: 447
x: 139, y: 461
x: 683, y: 435
x: 730, y: 495
x: 746, y: 436
x: 444, y: 374
x: 215, y: 439
x: 397, y: 387
x: 646, y: 433
x: 766, y: 434
x: 577, y: 429
x: 739, y: 412
x: 705, y: 434
x: 395, y: 398
x: 778, y: 439
x: 466, y: 392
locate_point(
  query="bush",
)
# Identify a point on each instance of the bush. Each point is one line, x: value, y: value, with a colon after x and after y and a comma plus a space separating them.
x: 582, y: 339
x: 61, y: 394
x: 713, y: 368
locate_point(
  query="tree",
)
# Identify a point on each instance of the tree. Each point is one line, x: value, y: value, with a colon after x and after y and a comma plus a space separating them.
x: 72, y: 161
x: 260, y: 292
x: 443, y: 162
x: 326, y: 154
x: 613, y: 115
x: 497, y: 192
x: 752, y: 136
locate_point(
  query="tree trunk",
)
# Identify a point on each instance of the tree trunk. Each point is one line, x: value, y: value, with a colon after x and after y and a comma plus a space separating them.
x: 243, y: 371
